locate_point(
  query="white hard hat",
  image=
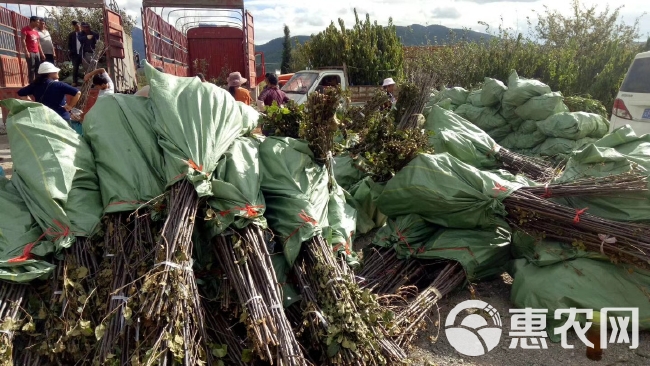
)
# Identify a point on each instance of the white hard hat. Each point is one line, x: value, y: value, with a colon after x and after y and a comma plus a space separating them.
x: 388, y: 81
x: 47, y: 68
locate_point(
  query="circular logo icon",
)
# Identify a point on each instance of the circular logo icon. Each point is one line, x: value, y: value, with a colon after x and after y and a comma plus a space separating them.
x: 473, y: 336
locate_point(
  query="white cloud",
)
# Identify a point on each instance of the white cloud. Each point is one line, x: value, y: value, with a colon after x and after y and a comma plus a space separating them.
x: 306, y: 17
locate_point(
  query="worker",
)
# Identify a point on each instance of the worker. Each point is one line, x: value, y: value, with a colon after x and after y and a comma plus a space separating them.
x: 389, y: 88
x: 101, y: 80
x: 49, y: 91
x: 144, y: 91
x: 235, y: 81
x: 201, y: 77
x: 33, y: 52
x: 88, y: 39
x: 45, y: 39
x: 74, y: 51
x: 273, y: 93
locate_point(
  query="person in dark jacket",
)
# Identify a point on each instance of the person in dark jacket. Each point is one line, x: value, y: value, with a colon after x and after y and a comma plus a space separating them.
x: 273, y: 93
x: 74, y: 47
x: 88, y: 40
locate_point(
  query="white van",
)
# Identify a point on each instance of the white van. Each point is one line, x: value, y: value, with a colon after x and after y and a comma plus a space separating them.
x: 632, y: 104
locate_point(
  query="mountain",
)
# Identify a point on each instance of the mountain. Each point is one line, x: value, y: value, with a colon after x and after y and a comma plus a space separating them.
x: 138, y: 41
x: 413, y: 35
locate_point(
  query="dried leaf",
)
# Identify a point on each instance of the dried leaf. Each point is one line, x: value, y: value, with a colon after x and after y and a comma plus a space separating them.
x: 99, y: 331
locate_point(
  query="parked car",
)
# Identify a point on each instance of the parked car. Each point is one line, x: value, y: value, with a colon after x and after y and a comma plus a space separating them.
x: 632, y: 104
x: 305, y: 82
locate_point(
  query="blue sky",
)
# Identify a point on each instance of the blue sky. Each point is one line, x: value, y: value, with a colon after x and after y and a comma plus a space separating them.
x: 307, y: 17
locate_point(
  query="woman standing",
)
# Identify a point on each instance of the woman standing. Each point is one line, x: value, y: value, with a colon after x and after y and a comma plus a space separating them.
x: 235, y: 81
x: 49, y: 91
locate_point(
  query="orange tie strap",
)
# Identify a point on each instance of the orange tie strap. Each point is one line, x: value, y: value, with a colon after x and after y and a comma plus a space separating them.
x: 498, y: 188
x: 27, y: 255
x: 578, y: 213
x: 307, y: 219
x: 547, y: 191
x: 193, y: 165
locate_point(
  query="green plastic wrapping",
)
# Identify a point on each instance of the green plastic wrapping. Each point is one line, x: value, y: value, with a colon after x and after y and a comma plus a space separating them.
x: 482, y: 253
x: 557, y: 146
x: 19, y: 230
x: 520, y: 140
x: 236, y: 200
x: 362, y: 197
x: 492, y: 92
x: 484, y: 118
x: 346, y: 172
x: 454, y: 135
x: 342, y: 219
x: 296, y: 192
x: 54, y: 172
x: 457, y: 95
x: 195, y: 123
x: 500, y: 133
x: 250, y: 118
x: 522, y: 90
x: 574, y: 125
x: 541, y: 107
x: 554, y: 276
x: 446, y: 191
x: 626, y: 153
x: 474, y: 98
x: 529, y: 126
x: 118, y: 129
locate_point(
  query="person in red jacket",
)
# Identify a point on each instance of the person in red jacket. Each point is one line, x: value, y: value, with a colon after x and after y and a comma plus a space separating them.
x: 273, y: 93
x: 33, y: 52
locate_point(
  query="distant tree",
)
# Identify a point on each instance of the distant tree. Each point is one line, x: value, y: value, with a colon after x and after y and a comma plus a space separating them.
x: 299, y: 58
x: 285, y: 66
x: 646, y: 47
x: 371, y: 51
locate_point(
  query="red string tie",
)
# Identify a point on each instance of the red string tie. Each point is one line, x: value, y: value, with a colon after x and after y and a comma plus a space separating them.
x: 578, y: 213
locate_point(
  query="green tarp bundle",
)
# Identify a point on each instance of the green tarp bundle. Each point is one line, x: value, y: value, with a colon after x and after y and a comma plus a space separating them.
x: 54, y: 171
x: 129, y: 161
x: 19, y: 230
x: 342, y: 219
x: 346, y: 172
x: 236, y: 198
x: 296, y: 192
x: 474, y: 98
x: 521, y: 140
x: 617, y: 153
x: 541, y: 107
x: 522, y: 90
x: 362, y: 197
x: 485, y: 118
x: 492, y: 92
x: 457, y: 95
x: 446, y: 191
x: 482, y: 253
x: 574, y: 125
x: 454, y: 135
x: 195, y: 123
x: 559, y: 146
x: 551, y: 275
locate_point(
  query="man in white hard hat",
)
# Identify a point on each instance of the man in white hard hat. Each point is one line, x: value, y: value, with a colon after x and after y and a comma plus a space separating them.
x: 389, y: 88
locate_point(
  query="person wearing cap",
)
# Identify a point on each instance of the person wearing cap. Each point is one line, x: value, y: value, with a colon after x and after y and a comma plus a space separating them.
x: 33, y: 52
x: 49, y: 91
x: 389, y: 88
x: 235, y: 81
x: 273, y: 93
x: 74, y: 49
x: 101, y: 80
x: 45, y: 40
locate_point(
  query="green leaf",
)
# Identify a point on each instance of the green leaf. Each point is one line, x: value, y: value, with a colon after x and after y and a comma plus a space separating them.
x: 333, y: 349
x: 99, y: 331
x: 247, y: 355
x: 220, y: 351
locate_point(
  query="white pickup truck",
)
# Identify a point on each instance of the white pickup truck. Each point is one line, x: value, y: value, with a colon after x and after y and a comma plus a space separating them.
x: 302, y: 83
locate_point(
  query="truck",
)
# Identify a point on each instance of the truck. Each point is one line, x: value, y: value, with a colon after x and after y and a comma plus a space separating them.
x: 305, y: 82
x: 119, y: 54
x: 195, y: 45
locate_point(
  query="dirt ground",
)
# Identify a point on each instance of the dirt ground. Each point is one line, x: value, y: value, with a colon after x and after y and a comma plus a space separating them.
x: 432, y: 348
